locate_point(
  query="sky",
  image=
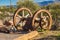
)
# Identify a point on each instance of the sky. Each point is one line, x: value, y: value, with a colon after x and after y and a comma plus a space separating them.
x: 7, y: 2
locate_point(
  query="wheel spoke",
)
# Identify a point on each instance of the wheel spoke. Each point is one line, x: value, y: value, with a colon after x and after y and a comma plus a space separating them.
x: 22, y: 23
x: 18, y: 22
x: 26, y: 15
x: 19, y: 16
x: 41, y: 14
x: 37, y: 22
x: 37, y: 19
x: 23, y: 13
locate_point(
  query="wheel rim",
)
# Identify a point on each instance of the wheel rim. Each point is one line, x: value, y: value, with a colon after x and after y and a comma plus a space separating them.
x: 19, y: 10
x: 39, y: 12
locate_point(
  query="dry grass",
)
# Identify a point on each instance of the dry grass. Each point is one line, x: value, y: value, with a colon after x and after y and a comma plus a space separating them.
x: 46, y: 34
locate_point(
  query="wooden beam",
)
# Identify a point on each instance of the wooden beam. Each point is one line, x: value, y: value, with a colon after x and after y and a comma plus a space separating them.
x: 27, y: 36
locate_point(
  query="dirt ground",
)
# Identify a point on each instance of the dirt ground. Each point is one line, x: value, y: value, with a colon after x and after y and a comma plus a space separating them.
x: 8, y: 36
x: 51, y: 35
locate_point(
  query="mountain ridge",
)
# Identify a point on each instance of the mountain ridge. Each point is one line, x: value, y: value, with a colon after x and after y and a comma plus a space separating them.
x: 45, y: 3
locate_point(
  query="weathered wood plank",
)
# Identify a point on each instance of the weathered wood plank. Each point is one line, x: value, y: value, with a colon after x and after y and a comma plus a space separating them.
x: 27, y: 36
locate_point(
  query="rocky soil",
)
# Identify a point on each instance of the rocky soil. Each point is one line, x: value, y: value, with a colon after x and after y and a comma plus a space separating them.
x: 46, y: 35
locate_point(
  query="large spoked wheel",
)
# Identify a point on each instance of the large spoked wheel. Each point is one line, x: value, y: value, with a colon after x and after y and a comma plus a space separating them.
x: 20, y: 17
x: 42, y: 19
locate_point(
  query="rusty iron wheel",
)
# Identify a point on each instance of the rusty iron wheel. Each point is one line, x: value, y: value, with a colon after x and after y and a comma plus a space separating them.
x: 41, y: 14
x: 20, y: 13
